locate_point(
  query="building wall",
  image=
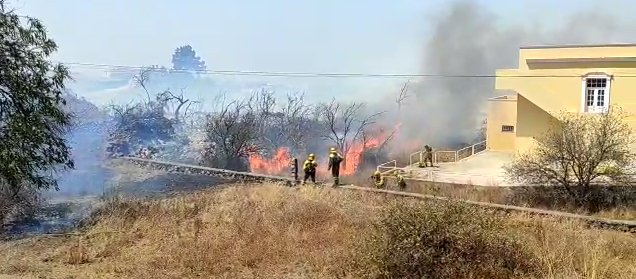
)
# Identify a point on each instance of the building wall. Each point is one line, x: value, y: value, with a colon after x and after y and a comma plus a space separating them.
x: 544, y: 90
x: 533, y: 121
x: 501, y: 111
x: 556, y: 94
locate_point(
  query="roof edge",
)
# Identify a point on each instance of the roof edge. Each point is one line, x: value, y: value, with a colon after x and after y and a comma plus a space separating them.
x: 505, y: 98
x: 580, y: 60
x: 578, y: 46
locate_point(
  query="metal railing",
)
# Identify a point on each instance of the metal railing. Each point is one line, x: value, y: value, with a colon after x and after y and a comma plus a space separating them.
x: 388, y: 166
x: 470, y: 151
x: 419, y: 156
x: 449, y: 156
x: 444, y: 156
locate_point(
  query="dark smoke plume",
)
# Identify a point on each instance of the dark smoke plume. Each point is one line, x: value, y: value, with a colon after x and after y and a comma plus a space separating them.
x: 466, y: 39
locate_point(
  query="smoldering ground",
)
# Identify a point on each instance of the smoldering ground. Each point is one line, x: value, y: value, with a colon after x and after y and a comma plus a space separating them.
x: 464, y: 38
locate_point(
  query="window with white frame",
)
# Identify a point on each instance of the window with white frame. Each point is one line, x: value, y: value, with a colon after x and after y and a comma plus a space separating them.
x: 596, y: 89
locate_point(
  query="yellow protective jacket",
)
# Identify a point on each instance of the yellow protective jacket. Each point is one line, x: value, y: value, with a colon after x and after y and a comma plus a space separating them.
x: 400, y: 182
x: 379, y: 181
x: 310, y: 165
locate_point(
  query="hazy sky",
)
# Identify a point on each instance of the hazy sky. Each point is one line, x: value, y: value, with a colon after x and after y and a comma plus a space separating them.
x: 279, y: 35
x: 361, y: 36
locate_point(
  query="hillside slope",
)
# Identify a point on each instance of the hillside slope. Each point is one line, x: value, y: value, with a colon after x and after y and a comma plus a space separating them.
x: 279, y: 232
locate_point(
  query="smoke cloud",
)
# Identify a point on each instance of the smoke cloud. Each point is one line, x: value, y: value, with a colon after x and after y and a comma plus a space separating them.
x: 466, y: 39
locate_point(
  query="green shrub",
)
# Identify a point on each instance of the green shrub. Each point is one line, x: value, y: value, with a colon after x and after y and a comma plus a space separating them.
x: 414, y: 239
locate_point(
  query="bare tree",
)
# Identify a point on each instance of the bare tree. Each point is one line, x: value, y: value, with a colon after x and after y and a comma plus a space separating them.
x: 233, y: 134
x: 146, y: 120
x: 345, y: 123
x: 176, y: 102
x: 579, y: 151
x: 377, y: 139
x: 382, y: 138
x: 141, y: 79
x: 263, y: 105
x: 298, y: 120
x: 404, y: 94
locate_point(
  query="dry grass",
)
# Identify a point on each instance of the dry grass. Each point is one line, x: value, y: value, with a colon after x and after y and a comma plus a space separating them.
x: 278, y: 232
x: 541, y: 198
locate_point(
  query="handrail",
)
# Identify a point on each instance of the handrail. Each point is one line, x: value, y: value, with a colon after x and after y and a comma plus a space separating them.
x: 384, y: 165
x: 457, y: 154
x: 411, y: 157
x: 436, y: 157
x: 418, y: 156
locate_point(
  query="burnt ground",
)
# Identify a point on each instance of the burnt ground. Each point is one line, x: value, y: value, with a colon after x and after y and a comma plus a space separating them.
x: 62, y: 214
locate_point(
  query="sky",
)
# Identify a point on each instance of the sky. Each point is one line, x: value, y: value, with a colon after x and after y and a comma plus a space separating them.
x: 362, y: 36
x: 272, y: 35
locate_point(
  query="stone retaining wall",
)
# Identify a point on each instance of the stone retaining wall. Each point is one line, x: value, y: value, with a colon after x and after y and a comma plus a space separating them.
x: 192, y: 169
x: 628, y: 226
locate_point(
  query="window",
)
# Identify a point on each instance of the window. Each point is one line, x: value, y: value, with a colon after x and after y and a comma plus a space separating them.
x: 507, y: 128
x: 596, y: 93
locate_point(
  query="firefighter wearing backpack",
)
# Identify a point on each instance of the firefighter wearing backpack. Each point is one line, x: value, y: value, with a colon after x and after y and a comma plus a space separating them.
x: 334, y: 166
x: 378, y: 179
x: 309, y: 167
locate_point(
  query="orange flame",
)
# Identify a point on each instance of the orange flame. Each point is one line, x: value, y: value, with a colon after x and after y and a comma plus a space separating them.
x: 278, y: 164
x: 354, y: 154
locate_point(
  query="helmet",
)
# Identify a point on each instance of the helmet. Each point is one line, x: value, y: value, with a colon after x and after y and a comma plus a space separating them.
x: 377, y: 172
x: 332, y: 150
x: 312, y: 155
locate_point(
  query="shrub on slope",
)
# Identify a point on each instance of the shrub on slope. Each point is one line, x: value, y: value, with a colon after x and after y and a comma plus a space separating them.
x: 280, y: 232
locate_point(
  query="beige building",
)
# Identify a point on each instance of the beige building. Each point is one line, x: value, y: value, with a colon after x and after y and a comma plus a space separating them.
x: 550, y: 79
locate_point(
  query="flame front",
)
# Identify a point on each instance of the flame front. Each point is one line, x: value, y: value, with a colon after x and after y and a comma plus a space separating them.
x: 354, y: 154
x: 278, y: 164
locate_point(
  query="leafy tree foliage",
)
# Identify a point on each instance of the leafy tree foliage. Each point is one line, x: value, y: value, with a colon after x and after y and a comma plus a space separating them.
x: 578, y: 152
x: 33, y: 121
x: 185, y: 58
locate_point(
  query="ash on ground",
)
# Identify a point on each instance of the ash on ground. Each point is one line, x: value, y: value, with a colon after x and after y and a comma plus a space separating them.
x: 64, y: 214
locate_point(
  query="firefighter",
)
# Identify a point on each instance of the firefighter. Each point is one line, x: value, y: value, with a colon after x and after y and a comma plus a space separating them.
x: 334, y: 166
x: 400, y: 182
x: 378, y: 179
x: 428, y: 157
x: 309, y: 167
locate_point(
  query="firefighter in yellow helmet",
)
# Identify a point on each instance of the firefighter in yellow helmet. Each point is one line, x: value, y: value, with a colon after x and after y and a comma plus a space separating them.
x: 309, y: 167
x: 400, y: 182
x: 378, y: 179
x: 334, y: 166
x: 427, y: 157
